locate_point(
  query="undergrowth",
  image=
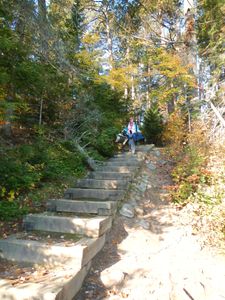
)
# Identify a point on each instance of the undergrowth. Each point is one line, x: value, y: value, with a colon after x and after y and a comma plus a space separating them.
x: 39, y: 168
x: 199, y: 177
x: 28, y: 169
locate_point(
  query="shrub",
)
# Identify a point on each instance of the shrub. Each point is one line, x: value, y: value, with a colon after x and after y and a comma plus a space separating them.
x: 188, y: 174
x: 24, y: 167
x: 11, y: 210
x: 16, y: 176
x: 174, y: 133
x: 62, y: 162
x: 105, y: 142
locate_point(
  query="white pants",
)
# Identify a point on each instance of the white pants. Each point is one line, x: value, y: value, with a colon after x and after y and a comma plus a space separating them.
x: 132, y: 145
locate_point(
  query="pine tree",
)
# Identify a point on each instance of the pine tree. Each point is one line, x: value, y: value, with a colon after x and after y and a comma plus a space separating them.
x: 153, y: 125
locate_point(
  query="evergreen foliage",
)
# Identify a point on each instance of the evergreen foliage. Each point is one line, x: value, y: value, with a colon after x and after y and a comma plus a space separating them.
x: 211, y: 26
x: 153, y: 125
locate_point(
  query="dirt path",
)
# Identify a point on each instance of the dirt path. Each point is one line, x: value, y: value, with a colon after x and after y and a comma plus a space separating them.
x: 155, y: 254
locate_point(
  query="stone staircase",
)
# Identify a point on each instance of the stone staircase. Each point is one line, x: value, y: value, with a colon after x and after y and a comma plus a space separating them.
x: 66, y: 237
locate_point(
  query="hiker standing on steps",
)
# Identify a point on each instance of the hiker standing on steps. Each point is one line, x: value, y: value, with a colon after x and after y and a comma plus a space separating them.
x: 137, y: 135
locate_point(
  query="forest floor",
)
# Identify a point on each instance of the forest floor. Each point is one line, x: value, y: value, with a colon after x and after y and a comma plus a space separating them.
x: 157, y: 254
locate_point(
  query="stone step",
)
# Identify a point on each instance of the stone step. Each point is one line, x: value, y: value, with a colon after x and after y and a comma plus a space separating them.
x: 109, y: 175
x: 99, y: 194
x: 124, y: 160
x: 91, y: 227
x: 125, y: 154
x: 63, y: 282
x: 123, y: 163
x: 140, y: 149
x: 102, y: 184
x: 91, y: 207
x: 145, y: 148
x: 36, y: 252
x: 129, y: 156
x: 120, y: 169
x: 60, y: 283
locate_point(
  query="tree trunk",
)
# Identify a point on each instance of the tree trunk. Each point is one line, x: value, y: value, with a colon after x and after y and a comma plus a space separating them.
x: 148, y: 100
x: 217, y: 113
x: 171, y: 103
x: 42, y: 9
x: 40, y: 112
x: 91, y: 163
x: 125, y: 92
x: 43, y: 29
x: 188, y: 4
x: 109, y: 43
x: 170, y: 106
x: 132, y: 88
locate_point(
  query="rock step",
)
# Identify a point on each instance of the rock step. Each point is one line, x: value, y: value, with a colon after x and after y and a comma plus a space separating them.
x: 91, y: 207
x: 123, y: 160
x: 120, y: 169
x: 36, y: 252
x: 129, y: 155
x: 60, y: 283
x: 102, y: 184
x: 98, y: 194
x: 109, y: 175
x: 145, y: 148
x: 140, y: 152
x: 126, y: 154
x: 122, y: 163
x: 91, y: 227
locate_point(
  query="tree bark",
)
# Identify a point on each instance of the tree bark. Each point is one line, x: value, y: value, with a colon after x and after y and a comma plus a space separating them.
x: 132, y: 88
x: 40, y: 112
x: 42, y: 9
x: 171, y: 103
x: 43, y: 28
x: 217, y: 113
x: 109, y: 44
x: 90, y: 162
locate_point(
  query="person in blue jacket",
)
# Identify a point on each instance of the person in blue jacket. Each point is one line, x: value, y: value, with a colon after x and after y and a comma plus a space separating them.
x: 134, y: 128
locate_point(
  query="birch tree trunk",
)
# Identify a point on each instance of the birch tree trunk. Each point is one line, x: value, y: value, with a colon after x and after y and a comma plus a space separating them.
x: 109, y: 42
x: 132, y: 88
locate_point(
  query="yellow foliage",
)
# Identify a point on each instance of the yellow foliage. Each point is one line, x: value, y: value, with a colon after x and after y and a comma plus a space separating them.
x: 170, y: 65
x: 61, y: 11
x: 85, y: 58
x: 175, y: 133
x: 11, y: 196
x: 90, y: 38
x: 119, y: 77
x: 198, y: 137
